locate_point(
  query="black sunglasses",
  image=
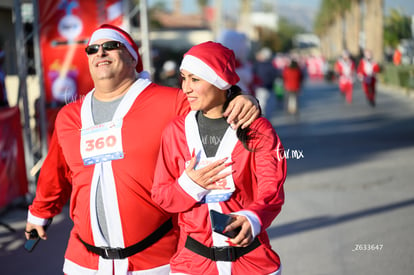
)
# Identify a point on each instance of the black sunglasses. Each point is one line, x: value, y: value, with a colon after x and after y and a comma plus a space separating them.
x: 106, y: 46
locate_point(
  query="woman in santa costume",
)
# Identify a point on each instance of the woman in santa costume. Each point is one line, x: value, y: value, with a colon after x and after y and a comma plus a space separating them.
x: 367, y: 71
x: 250, y: 188
x: 345, y: 68
x: 102, y: 157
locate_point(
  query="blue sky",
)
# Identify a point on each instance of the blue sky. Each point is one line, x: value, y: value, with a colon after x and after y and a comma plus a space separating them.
x: 405, y: 6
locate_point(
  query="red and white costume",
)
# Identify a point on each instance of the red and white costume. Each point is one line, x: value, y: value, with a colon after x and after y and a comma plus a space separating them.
x: 315, y: 66
x: 346, y: 71
x: 258, y: 194
x: 367, y: 70
x: 131, y: 215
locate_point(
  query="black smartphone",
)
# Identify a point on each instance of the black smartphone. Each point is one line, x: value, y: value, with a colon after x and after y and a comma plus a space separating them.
x: 31, y: 243
x: 219, y: 221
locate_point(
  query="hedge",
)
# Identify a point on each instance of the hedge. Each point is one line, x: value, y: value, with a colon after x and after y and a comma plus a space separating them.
x: 402, y: 76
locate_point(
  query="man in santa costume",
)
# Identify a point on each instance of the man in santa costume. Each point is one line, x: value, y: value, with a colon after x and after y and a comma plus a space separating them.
x: 102, y: 157
x: 250, y: 187
x: 367, y: 71
x: 345, y: 68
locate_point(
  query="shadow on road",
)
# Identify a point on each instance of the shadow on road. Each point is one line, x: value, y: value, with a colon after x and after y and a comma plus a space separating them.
x: 46, y: 258
x: 326, y: 221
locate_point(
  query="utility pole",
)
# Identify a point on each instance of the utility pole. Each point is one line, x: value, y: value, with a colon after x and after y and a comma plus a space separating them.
x: 39, y: 73
x: 244, y: 24
x: 22, y: 90
x: 146, y: 47
x: 218, y: 18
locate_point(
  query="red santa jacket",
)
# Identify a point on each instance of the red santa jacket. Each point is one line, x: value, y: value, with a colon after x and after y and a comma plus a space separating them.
x: 367, y: 69
x: 64, y: 175
x: 345, y: 69
x: 292, y: 79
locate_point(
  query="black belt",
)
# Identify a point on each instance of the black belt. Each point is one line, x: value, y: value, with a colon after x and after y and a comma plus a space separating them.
x: 215, y: 253
x: 122, y: 253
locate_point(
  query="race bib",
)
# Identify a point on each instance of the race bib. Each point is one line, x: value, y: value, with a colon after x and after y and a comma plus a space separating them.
x: 102, y: 142
x: 227, y: 183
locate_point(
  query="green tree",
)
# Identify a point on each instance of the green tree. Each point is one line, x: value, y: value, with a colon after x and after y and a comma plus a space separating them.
x: 396, y: 27
x: 287, y: 30
x: 202, y: 4
x: 281, y: 40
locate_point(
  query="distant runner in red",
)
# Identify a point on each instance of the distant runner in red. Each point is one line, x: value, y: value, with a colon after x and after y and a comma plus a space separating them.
x: 367, y: 71
x: 345, y: 68
x: 292, y: 81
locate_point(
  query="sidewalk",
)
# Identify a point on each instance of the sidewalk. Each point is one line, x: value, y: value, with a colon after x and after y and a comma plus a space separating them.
x: 401, y: 91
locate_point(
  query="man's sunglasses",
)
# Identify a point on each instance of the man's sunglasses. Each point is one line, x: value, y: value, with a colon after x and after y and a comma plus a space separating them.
x: 106, y: 46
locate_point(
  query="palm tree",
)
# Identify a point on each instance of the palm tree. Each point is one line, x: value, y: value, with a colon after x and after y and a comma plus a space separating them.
x: 330, y: 11
x: 201, y: 5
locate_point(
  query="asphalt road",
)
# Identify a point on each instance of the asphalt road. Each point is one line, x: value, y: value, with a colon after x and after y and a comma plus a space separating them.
x: 349, y: 192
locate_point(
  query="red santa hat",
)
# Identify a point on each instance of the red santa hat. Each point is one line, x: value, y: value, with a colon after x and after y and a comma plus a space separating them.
x: 115, y: 33
x: 212, y: 62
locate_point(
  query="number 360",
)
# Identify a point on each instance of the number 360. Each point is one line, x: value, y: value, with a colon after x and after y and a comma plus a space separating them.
x: 100, y: 143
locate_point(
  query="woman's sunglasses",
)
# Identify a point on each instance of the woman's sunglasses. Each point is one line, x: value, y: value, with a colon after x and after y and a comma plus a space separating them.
x: 106, y: 46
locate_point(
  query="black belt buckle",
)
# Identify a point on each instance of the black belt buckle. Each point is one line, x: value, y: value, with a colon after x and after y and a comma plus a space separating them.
x: 111, y: 253
x: 224, y: 253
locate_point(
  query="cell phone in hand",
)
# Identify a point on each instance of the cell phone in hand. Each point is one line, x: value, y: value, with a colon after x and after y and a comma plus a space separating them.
x: 219, y: 221
x: 34, y: 238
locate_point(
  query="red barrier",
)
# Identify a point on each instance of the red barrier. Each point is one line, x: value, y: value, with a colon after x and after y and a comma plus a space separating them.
x: 13, y: 177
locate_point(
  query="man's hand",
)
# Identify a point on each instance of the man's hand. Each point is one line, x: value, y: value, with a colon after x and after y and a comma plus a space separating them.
x: 242, y: 111
x: 40, y: 231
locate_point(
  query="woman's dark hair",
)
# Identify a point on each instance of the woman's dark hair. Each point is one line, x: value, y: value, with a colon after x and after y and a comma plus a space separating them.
x: 294, y: 64
x: 246, y: 134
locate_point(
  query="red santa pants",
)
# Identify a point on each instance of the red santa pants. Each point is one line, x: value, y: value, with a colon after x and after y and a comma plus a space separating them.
x: 346, y: 87
x: 369, y: 89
